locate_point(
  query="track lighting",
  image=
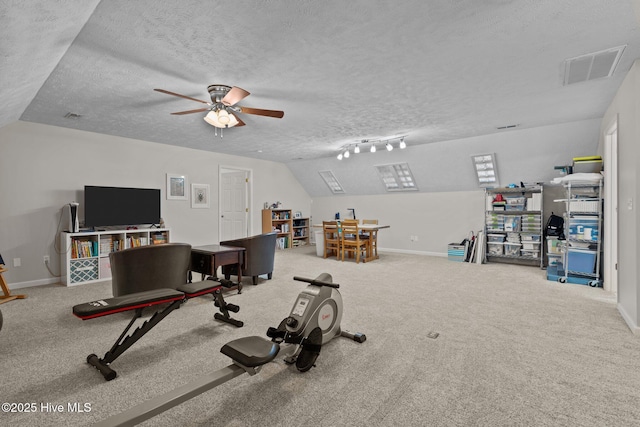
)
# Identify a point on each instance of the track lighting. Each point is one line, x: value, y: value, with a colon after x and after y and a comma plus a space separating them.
x: 345, y: 149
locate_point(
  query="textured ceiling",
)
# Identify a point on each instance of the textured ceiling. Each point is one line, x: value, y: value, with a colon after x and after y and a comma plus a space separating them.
x: 342, y: 71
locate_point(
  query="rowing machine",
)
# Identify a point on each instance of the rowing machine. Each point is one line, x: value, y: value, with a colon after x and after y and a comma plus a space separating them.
x: 314, y: 320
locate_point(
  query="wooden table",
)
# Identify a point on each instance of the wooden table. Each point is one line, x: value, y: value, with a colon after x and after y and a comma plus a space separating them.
x: 366, y: 227
x: 207, y: 259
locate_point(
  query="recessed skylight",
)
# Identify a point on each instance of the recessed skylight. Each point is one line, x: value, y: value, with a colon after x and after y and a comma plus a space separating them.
x: 485, y: 169
x: 332, y: 182
x: 396, y: 177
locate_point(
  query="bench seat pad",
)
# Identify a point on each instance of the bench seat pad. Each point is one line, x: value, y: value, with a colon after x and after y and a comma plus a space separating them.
x: 196, y: 289
x: 104, y: 307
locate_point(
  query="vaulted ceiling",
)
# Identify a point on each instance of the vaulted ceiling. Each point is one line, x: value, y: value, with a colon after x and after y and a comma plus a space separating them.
x: 342, y: 71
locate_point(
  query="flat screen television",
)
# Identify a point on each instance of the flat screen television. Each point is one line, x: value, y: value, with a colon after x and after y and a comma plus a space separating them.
x: 108, y: 206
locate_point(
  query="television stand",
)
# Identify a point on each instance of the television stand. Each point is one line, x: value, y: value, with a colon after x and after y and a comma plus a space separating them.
x: 85, y: 255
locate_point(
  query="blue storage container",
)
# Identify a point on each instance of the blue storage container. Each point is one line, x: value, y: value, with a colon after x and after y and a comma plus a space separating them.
x: 456, y: 252
x: 581, y: 261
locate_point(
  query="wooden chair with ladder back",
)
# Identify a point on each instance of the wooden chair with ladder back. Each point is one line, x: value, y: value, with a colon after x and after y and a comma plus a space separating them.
x: 331, y: 239
x: 354, y: 243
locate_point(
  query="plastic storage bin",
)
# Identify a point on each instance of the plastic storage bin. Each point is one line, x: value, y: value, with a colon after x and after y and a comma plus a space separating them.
x: 554, y: 259
x: 495, y: 238
x: 495, y: 248
x: 455, y: 252
x: 581, y: 261
x: 531, y: 246
x: 512, y: 249
x: 553, y: 245
x: 319, y: 238
x: 530, y: 253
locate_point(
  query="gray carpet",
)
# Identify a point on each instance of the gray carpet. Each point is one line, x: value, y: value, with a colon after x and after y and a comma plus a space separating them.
x: 513, y: 350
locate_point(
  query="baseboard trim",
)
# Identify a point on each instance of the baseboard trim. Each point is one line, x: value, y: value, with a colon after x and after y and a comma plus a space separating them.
x: 33, y: 283
x: 628, y: 320
x: 411, y: 252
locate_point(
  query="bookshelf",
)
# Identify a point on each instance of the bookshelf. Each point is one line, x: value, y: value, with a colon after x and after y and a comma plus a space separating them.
x: 280, y: 221
x: 291, y: 231
x: 85, y: 255
x: 300, y: 235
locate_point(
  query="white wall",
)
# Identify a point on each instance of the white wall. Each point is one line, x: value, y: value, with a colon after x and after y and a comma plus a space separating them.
x: 44, y: 167
x: 626, y: 106
x: 437, y: 219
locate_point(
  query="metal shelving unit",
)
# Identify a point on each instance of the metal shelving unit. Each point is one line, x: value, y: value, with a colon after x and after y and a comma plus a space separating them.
x: 514, y: 235
x: 583, y: 232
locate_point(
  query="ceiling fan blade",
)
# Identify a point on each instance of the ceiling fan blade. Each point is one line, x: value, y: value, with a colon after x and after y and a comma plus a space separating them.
x: 234, y: 96
x: 240, y: 122
x: 199, y: 110
x: 260, y: 112
x: 181, y: 96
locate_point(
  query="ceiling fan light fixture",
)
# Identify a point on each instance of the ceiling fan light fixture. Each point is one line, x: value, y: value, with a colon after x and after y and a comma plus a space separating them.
x: 221, y: 119
x: 340, y: 156
x: 346, y: 153
x: 373, y: 148
x: 402, y: 144
x: 356, y: 150
x: 389, y: 146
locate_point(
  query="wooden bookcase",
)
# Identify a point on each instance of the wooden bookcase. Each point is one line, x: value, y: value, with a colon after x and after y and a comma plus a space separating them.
x: 85, y: 255
x: 280, y: 221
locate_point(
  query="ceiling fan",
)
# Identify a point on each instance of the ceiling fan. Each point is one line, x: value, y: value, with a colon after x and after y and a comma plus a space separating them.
x: 222, y: 108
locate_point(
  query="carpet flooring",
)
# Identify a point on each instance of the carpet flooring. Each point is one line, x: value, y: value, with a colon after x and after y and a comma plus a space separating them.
x: 513, y: 350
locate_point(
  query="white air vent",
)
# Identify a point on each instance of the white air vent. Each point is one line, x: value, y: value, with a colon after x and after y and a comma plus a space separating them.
x: 592, y: 66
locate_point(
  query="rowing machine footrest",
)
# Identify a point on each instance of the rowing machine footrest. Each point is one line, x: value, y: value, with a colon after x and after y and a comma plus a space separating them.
x: 275, y: 333
x: 311, y: 347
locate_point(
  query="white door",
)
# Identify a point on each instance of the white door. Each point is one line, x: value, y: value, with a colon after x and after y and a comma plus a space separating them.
x: 234, y: 207
x: 610, y: 251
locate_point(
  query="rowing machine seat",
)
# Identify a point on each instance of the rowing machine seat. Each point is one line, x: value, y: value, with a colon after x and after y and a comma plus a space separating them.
x: 251, y: 351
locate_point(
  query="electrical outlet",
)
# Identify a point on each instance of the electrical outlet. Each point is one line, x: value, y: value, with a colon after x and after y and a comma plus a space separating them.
x: 413, y: 238
x: 17, y: 262
x: 46, y: 259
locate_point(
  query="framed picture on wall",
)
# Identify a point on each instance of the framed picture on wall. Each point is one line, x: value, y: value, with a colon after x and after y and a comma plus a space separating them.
x: 199, y: 196
x: 177, y: 187
x: 297, y: 214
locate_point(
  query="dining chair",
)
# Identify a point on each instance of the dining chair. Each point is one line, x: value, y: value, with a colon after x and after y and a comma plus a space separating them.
x: 331, y: 239
x: 352, y: 243
x: 372, y: 235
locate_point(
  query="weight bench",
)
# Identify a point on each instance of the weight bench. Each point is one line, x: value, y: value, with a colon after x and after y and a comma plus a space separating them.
x: 165, y: 300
